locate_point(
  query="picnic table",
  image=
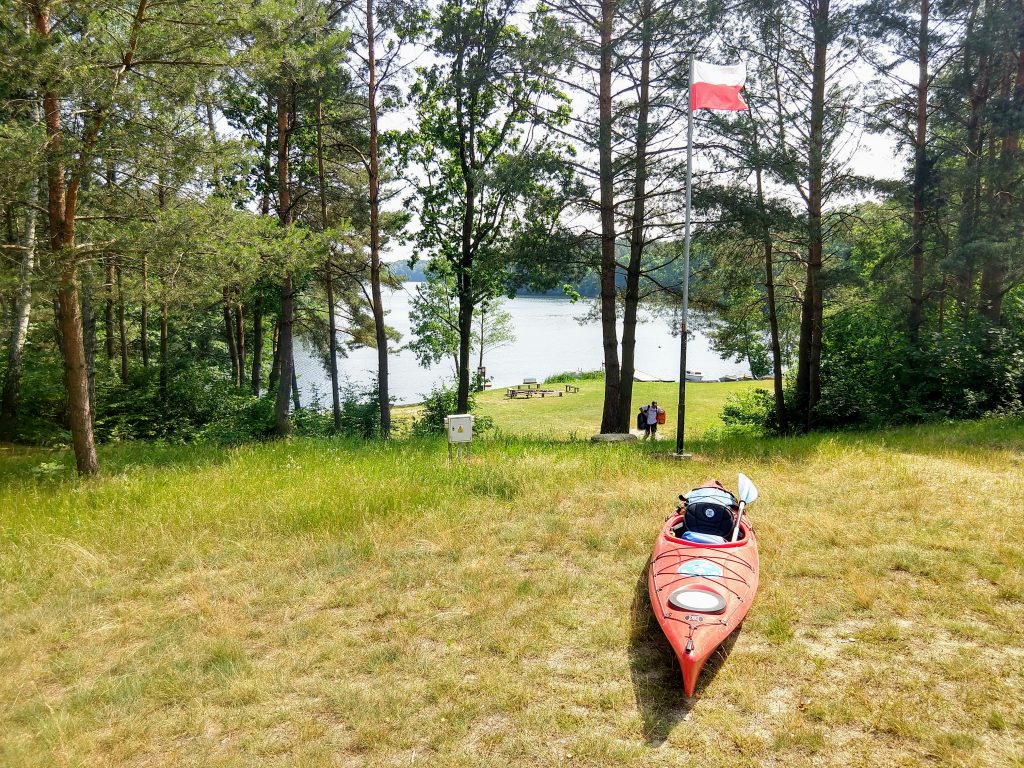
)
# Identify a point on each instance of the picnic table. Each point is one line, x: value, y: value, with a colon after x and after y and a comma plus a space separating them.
x: 530, y: 388
x: 516, y: 392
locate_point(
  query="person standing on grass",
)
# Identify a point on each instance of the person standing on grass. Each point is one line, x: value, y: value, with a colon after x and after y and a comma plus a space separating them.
x: 651, y: 413
x: 641, y: 419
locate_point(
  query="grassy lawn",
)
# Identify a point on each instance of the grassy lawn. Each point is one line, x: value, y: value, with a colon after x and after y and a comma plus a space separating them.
x: 579, y: 415
x: 325, y: 603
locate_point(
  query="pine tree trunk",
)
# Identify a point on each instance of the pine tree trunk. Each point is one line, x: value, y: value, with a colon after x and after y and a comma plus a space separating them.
x: 380, y: 330
x: 165, y: 361
x: 240, y: 341
x: 332, y: 330
x: 144, y: 315
x: 920, y: 178
x: 229, y: 336
x: 108, y: 286
x: 257, y: 312
x: 637, y: 230
x: 978, y: 92
x: 257, y: 344
x: 610, y: 416
x: 808, y: 385
x: 89, y: 337
x: 22, y: 310
x: 994, y: 272
x: 109, y: 334
x: 61, y: 211
x: 781, y: 416
x: 285, y: 349
x: 275, y: 357
x: 122, y: 331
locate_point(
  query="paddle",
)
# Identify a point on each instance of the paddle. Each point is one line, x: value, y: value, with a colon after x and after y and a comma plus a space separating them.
x: 748, y: 495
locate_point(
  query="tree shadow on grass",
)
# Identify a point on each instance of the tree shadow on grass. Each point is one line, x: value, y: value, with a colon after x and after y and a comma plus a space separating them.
x: 657, y: 678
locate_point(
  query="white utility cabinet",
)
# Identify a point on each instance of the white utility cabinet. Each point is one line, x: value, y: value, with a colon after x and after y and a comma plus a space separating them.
x: 460, y: 428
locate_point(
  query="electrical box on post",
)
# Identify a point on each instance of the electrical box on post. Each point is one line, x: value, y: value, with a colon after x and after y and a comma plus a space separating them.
x: 460, y: 428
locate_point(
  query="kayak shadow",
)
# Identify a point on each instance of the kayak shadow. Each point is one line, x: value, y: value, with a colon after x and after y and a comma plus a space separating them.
x: 657, y: 678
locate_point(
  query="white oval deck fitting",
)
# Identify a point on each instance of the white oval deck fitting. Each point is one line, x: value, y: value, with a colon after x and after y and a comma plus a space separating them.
x: 699, y: 600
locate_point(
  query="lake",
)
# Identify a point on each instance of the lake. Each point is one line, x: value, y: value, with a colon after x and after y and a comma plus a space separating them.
x: 551, y: 337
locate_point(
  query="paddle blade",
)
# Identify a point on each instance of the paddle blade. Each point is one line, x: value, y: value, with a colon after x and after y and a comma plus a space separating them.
x: 748, y: 491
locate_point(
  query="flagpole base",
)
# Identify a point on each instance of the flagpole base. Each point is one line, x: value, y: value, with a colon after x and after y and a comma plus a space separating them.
x: 680, y: 456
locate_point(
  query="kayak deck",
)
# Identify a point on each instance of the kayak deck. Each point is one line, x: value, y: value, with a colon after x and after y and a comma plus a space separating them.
x: 700, y: 593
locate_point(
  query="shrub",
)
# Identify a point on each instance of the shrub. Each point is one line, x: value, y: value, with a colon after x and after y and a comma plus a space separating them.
x: 872, y: 374
x: 568, y: 377
x: 441, y: 402
x: 200, y: 403
x: 752, y: 408
x: 360, y: 412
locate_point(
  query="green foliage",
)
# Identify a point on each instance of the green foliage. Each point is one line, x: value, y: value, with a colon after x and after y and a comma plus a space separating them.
x: 434, y: 317
x: 568, y: 377
x: 360, y: 412
x: 443, y: 401
x: 434, y: 320
x: 40, y: 413
x: 200, y: 404
x: 753, y: 408
x: 872, y: 374
x: 243, y: 419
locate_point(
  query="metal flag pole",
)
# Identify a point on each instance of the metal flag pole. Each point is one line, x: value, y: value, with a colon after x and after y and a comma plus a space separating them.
x: 681, y: 419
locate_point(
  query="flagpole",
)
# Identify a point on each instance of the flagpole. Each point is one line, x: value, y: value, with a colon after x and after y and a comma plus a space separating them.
x: 681, y: 419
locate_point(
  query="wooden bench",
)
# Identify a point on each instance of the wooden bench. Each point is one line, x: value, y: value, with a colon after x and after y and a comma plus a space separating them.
x: 571, y: 388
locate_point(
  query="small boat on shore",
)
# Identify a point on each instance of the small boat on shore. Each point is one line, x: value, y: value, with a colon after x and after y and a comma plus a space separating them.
x: 728, y: 377
x: 702, y: 584
x: 694, y: 376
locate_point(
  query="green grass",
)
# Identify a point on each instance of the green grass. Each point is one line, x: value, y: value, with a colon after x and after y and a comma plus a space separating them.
x: 321, y: 603
x: 579, y: 414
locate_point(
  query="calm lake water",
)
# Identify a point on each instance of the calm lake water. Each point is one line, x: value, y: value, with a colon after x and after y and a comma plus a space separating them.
x: 550, y: 338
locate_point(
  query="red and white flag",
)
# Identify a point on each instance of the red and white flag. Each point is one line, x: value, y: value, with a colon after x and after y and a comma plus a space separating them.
x: 717, y: 87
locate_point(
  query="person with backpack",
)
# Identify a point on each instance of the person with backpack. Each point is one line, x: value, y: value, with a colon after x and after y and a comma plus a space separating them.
x: 653, y: 416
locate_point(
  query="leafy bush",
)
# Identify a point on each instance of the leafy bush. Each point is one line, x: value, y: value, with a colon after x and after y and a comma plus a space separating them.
x: 40, y: 413
x: 441, y: 402
x: 872, y: 374
x: 752, y: 408
x: 568, y: 377
x: 243, y: 420
x: 200, y: 403
x: 360, y: 412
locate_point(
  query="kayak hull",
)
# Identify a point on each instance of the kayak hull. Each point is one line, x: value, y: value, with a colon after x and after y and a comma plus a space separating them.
x: 700, y: 593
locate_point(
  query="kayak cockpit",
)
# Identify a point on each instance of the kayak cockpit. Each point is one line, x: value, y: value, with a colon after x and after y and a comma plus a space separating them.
x: 677, y: 527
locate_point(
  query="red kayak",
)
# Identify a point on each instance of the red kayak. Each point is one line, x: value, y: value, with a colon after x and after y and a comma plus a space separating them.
x: 701, y: 592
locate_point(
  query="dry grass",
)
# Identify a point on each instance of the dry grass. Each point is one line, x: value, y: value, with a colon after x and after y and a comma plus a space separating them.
x: 322, y: 603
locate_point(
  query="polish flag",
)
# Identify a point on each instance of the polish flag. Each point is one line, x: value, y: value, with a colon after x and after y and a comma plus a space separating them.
x: 717, y: 87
